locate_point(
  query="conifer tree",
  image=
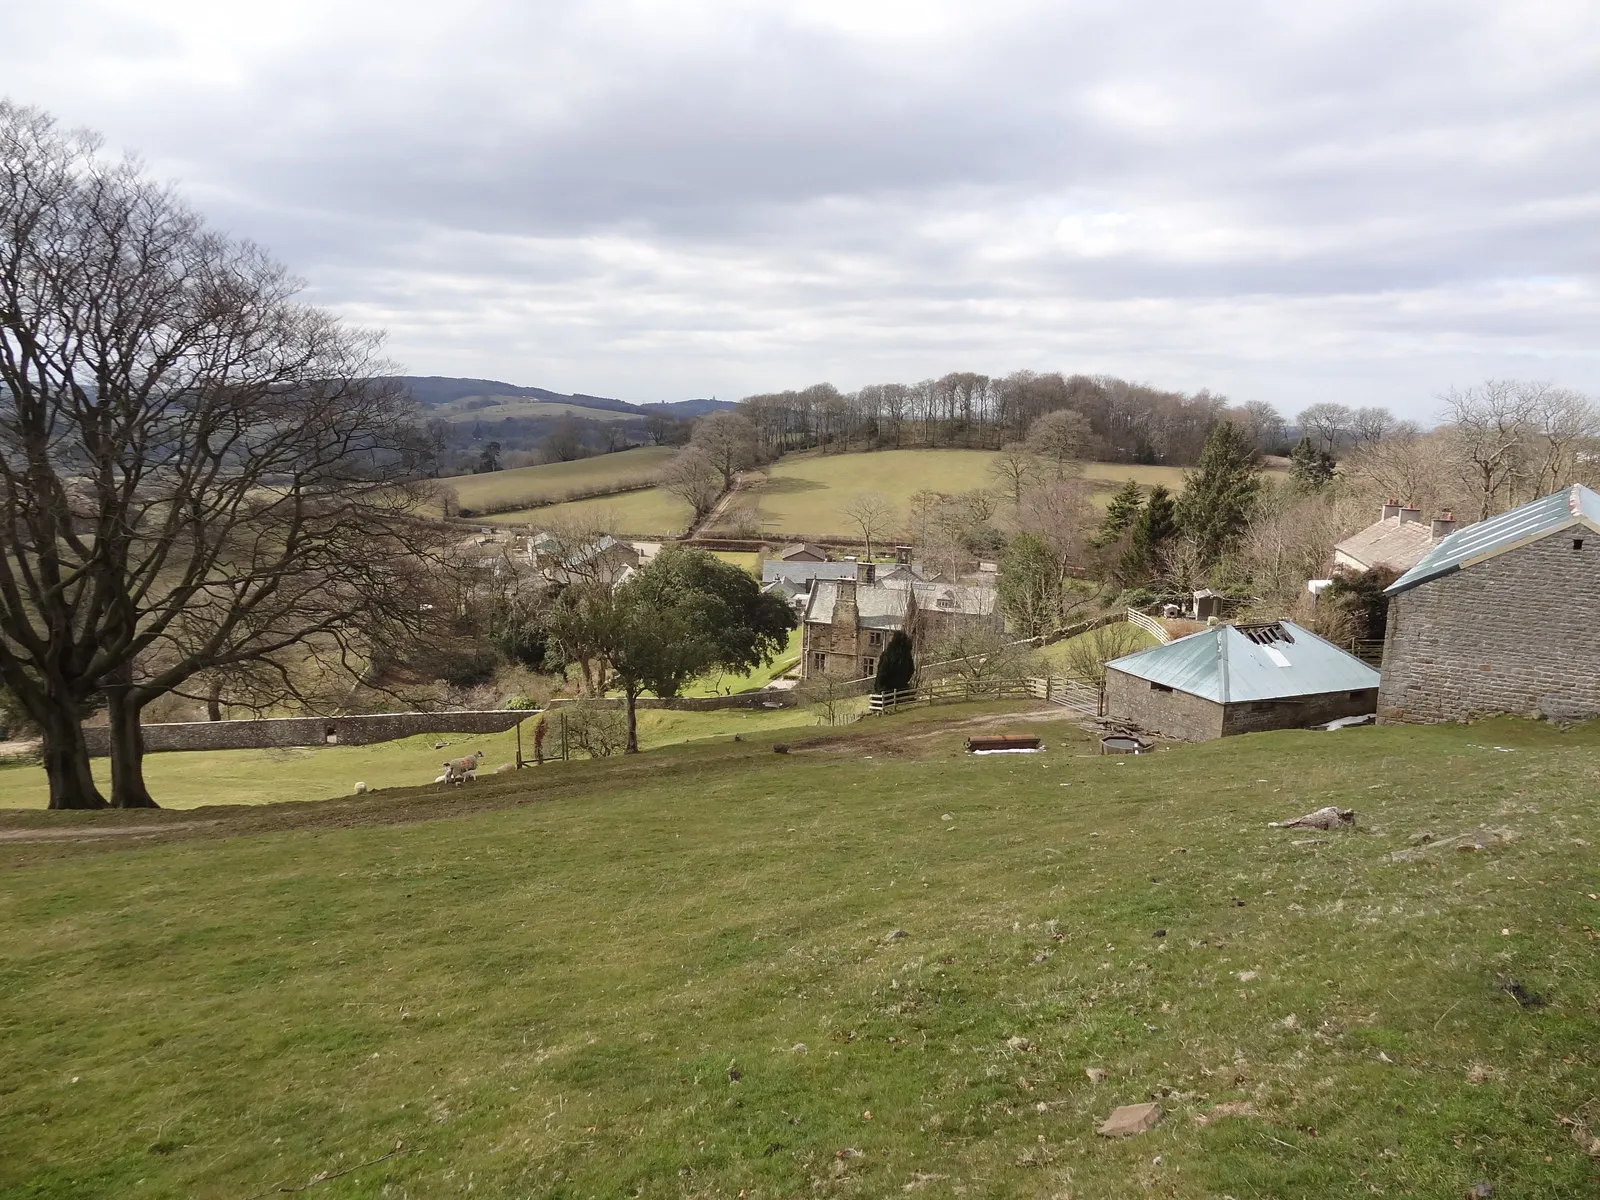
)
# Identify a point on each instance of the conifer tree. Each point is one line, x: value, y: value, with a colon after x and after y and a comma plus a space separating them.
x: 1156, y: 523
x: 1220, y: 494
x: 896, y: 666
x: 1120, y: 514
x: 1310, y: 469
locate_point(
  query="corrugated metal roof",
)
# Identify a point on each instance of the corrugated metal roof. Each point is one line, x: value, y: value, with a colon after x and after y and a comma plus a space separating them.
x: 1576, y: 505
x: 1227, y: 666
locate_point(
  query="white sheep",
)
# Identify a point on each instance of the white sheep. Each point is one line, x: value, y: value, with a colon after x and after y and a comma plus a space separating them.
x: 361, y: 789
x: 458, y: 770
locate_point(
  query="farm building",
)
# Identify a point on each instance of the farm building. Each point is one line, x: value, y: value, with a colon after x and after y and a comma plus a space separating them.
x: 847, y: 624
x: 1399, y: 539
x: 1500, y: 617
x: 601, y: 561
x: 1238, y: 679
x: 801, y: 552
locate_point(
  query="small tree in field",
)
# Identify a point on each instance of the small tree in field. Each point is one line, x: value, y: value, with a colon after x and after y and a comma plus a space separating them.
x: 1085, y: 656
x: 897, y: 665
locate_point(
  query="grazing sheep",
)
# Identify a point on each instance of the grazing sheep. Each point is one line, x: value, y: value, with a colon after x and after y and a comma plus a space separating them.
x: 505, y: 768
x: 441, y: 779
x: 361, y: 789
x: 458, y: 770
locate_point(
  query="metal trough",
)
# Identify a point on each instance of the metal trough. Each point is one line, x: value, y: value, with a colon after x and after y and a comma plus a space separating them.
x: 1122, y: 743
x: 1002, y: 741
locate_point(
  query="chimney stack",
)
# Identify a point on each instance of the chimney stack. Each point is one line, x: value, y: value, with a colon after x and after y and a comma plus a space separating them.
x: 868, y: 573
x: 1391, y: 508
x: 1410, y: 514
x: 1444, y: 526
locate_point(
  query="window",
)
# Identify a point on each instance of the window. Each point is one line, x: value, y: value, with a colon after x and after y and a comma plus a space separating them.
x: 1577, y: 543
x: 819, y: 662
x: 1159, y: 687
x: 874, y: 639
x: 1357, y: 695
x: 869, y: 666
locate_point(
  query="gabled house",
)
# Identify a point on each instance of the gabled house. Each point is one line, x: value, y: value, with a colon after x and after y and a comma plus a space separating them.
x: 801, y: 552
x: 1399, y: 539
x: 601, y: 561
x: 1500, y: 617
x: 847, y: 623
x: 1232, y: 679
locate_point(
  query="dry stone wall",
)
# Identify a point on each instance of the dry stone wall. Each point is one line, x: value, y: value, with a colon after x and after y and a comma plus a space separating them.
x: 361, y: 730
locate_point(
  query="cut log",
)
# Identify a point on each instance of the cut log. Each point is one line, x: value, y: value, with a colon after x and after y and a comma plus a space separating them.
x: 1003, y: 741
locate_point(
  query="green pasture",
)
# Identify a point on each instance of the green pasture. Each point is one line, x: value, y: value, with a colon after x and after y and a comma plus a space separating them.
x: 873, y: 966
x: 653, y: 512
x: 187, y: 779
x: 552, y: 480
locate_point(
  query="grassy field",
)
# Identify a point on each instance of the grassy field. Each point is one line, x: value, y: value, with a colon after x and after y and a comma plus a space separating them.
x: 551, y: 480
x: 192, y: 778
x: 805, y: 495
x: 653, y: 512
x: 873, y: 966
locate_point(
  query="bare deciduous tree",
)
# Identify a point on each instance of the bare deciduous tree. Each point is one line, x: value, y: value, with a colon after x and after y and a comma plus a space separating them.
x: 1014, y: 468
x: 1328, y: 422
x: 195, y: 469
x: 694, y: 478
x: 1062, y: 439
x: 728, y: 440
x: 872, y: 514
x: 1489, y: 432
x: 1085, y: 656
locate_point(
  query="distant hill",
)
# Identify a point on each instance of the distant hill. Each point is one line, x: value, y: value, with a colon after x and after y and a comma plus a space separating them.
x: 443, y: 391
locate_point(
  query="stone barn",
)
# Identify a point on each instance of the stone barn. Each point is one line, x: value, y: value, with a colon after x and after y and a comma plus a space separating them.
x: 1500, y: 617
x: 1238, y: 679
x: 848, y: 623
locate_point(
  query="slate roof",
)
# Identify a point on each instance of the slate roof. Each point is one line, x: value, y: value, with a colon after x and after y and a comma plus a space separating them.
x: 804, y: 572
x: 1390, y: 543
x: 876, y: 607
x: 1574, y: 506
x: 801, y: 548
x: 1231, y: 664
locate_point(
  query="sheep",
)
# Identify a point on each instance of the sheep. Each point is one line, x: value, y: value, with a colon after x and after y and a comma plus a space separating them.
x: 441, y: 779
x: 361, y: 789
x: 458, y: 770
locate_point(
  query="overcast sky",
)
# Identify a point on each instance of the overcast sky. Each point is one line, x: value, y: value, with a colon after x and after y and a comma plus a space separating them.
x: 1351, y: 201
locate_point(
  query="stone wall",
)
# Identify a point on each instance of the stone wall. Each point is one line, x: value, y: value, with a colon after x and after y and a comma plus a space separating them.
x: 362, y: 730
x: 1132, y: 701
x: 1515, y: 633
x: 763, y: 698
x: 1297, y: 712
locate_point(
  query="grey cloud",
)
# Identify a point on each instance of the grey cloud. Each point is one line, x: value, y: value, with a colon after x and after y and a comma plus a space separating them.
x: 1275, y: 201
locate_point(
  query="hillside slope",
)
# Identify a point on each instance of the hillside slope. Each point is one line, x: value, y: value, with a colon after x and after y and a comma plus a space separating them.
x: 872, y: 966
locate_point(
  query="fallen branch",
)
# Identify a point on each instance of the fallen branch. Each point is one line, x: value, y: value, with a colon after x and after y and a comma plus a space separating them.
x: 324, y: 1177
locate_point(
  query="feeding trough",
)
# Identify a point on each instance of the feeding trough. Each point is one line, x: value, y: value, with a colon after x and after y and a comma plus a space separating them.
x: 1122, y: 743
x: 998, y: 743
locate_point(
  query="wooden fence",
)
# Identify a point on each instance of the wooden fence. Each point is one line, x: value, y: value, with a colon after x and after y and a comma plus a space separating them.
x: 1057, y: 689
x: 1150, y: 625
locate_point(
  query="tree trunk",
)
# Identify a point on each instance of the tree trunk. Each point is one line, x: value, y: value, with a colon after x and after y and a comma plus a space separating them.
x: 214, y: 701
x: 127, y: 752
x: 66, y: 762
x: 633, y: 722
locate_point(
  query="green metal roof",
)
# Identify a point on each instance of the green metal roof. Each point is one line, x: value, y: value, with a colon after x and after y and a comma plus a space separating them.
x: 1230, y: 664
x: 1576, y: 505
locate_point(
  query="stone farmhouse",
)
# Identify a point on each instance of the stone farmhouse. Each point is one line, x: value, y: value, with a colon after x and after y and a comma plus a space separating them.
x: 1232, y: 679
x: 1500, y: 617
x: 1399, y: 539
x: 847, y: 622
